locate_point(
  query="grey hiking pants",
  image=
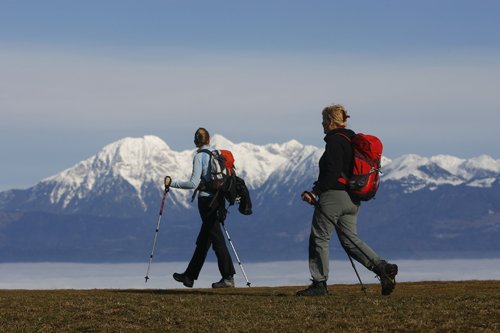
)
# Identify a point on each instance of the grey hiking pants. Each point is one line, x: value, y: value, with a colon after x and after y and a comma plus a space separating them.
x: 338, y: 206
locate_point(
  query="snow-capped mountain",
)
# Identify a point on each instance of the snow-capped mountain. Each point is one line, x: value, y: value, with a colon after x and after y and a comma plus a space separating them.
x: 106, y: 203
x: 415, y: 172
x: 132, y: 170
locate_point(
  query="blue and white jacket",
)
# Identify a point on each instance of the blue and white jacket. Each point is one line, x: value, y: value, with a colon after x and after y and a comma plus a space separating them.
x: 201, y: 163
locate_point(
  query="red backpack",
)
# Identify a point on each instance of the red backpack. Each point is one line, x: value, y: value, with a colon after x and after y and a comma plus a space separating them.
x: 221, y: 168
x: 367, y: 151
x: 221, y: 175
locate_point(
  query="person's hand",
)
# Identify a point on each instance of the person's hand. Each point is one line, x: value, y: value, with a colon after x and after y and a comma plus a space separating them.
x: 167, y: 181
x: 309, y: 197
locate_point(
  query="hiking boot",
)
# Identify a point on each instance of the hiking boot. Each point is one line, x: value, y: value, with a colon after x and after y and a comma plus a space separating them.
x: 387, y: 276
x: 186, y: 280
x: 224, y: 283
x: 317, y: 288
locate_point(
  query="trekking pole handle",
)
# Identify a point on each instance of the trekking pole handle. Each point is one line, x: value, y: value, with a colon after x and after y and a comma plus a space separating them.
x: 167, y: 181
x: 311, y: 196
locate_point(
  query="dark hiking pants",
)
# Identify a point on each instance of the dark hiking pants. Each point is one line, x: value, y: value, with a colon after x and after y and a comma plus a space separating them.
x: 210, y: 235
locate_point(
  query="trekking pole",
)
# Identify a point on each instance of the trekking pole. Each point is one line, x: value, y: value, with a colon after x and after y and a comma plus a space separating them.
x: 236, y: 254
x: 166, y: 182
x: 356, y: 271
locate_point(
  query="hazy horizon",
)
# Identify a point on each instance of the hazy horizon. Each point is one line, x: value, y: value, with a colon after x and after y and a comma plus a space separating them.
x: 279, y: 273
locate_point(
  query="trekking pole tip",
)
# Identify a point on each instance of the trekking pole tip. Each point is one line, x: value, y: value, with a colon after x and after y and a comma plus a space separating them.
x: 248, y: 284
x: 146, y: 278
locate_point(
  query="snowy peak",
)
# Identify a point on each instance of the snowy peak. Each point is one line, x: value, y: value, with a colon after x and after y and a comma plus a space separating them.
x: 132, y: 160
x: 129, y: 158
x: 140, y: 162
x: 133, y: 150
x: 484, y: 163
x: 221, y: 142
x: 416, y: 172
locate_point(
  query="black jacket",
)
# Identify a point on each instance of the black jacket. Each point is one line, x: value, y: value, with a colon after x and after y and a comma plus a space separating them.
x: 245, y: 206
x: 335, y: 162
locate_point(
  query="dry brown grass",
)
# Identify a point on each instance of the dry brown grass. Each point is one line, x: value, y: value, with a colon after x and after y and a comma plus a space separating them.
x: 471, y: 306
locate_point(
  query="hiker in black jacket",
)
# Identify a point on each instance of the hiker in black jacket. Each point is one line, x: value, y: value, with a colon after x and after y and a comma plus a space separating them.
x: 334, y: 201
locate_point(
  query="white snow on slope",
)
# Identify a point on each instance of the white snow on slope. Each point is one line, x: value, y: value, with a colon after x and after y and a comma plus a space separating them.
x: 419, y: 172
x: 148, y: 159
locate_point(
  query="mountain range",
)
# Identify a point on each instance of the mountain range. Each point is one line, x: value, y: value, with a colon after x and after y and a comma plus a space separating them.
x: 105, y: 207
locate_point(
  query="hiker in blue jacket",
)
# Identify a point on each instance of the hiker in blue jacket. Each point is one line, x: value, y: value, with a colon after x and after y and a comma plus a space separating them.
x: 210, y: 233
x: 334, y: 201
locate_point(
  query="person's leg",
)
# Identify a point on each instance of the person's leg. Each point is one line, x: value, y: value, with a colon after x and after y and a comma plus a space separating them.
x: 224, y: 260
x: 321, y: 232
x: 203, y: 241
x: 361, y: 252
x: 348, y: 236
x: 319, y: 239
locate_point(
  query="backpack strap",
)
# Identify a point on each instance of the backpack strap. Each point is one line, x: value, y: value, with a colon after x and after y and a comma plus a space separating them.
x: 343, y: 179
x: 209, y: 152
x: 343, y: 135
x: 201, y: 181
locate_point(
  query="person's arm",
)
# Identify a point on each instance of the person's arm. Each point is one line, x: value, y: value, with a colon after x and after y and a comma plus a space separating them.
x: 330, y: 174
x: 195, y: 179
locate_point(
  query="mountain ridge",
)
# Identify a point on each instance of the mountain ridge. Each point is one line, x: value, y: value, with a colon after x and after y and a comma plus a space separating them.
x: 143, y: 162
x: 103, y: 208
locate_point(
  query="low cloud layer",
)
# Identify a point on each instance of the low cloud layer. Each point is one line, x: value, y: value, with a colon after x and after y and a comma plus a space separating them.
x: 284, y: 273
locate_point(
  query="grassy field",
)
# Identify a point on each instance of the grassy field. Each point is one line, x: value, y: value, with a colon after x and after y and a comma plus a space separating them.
x: 470, y: 306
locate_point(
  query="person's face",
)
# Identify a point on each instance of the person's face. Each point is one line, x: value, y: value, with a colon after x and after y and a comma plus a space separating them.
x: 327, y: 123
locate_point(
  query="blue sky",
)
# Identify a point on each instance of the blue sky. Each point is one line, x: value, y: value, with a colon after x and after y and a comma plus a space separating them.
x: 77, y: 75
